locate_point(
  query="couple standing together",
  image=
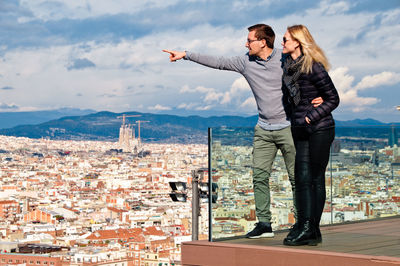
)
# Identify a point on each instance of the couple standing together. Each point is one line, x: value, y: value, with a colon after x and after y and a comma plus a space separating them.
x: 295, y: 98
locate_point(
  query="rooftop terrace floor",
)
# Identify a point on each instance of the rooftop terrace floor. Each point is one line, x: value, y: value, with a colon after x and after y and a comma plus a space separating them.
x: 372, y: 242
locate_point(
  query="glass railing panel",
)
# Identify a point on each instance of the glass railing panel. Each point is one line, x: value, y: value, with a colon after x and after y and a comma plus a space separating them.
x: 362, y: 180
x: 364, y: 169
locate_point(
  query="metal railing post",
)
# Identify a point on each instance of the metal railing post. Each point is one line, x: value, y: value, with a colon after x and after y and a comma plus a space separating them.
x: 195, y: 205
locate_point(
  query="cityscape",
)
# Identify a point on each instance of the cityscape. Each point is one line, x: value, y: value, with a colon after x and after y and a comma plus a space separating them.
x: 65, y: 202
x: 88, y: 202
x: 112, y: 155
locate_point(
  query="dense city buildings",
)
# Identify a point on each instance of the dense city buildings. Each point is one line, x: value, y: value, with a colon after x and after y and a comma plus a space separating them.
x: 89, y: 202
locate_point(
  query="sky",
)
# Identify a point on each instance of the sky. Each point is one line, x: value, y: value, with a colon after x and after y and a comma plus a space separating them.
x: 106, y: 55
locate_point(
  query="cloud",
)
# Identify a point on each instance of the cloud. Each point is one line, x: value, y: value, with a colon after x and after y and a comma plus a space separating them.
x: 7, y: 88
x: 201, y: 89
x: 249, y: 103
x: 60, y: 9
x: 27, y: 69
x: 80, y: 63
x: 187, y: 89
x: 204, y: 108
x: 187, y: 106
x: 335, y: 8
x: 195, y: 106
x: 242, y: 6
x: 210, y: 94
x: 236, y: 90
x: 381, y: 79
x: 107, y: 95
x: 239, y: 86
x: 159, y: 107
x: 5, y: 106
x: 349, y: 97
x: 213, y: 96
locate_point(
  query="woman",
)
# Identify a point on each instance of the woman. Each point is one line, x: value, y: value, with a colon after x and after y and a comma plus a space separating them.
x: 305, y: 77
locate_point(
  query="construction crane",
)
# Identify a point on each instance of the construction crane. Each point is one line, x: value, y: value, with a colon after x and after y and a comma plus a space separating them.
x: 124, y: 116
x: 138, y: 122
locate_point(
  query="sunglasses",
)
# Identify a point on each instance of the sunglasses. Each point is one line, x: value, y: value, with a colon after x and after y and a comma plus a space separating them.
x: 250, y: 41
x: 285, y: 40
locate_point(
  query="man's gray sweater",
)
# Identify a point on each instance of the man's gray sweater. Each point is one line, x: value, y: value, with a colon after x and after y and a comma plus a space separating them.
x: 264, y: 78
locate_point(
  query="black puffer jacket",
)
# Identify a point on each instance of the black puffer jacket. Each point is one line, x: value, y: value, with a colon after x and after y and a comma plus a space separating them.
x: 313, y: 85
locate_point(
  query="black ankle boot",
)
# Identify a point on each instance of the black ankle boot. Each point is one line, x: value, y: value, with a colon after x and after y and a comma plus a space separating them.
x: 294, y: 231
x: 305, y: 236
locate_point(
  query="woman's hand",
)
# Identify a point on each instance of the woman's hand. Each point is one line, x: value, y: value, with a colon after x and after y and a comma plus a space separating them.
x: 308, y: 120
x: 317, y: 101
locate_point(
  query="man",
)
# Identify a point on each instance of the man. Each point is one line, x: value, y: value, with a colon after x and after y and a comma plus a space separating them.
x: 261, y: 67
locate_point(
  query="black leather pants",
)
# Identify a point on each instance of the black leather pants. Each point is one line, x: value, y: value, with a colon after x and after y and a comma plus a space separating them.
x: 312, y: 156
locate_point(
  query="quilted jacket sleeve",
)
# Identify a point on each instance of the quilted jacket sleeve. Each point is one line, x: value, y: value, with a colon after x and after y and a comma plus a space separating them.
x: 326, y: 89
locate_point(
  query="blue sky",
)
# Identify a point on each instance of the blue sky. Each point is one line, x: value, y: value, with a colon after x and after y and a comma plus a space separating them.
x: 106, y: 55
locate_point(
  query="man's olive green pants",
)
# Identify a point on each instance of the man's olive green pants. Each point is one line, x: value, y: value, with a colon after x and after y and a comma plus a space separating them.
x: 266, y: 144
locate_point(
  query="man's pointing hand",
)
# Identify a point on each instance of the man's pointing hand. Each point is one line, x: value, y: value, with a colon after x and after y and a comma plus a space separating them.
x: 175, y: 55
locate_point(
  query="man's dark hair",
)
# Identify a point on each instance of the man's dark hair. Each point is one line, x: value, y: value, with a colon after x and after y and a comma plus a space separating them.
x: 264, y: 32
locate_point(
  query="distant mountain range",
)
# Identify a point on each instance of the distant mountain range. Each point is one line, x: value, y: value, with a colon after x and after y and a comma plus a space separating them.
x: 155, y: 127
x: 105, y: 126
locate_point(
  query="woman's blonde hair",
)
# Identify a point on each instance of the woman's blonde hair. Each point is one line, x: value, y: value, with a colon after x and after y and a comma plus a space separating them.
x: 311, y: 51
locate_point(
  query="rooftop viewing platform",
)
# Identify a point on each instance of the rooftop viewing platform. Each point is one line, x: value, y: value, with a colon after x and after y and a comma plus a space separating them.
x: 360, y: 222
